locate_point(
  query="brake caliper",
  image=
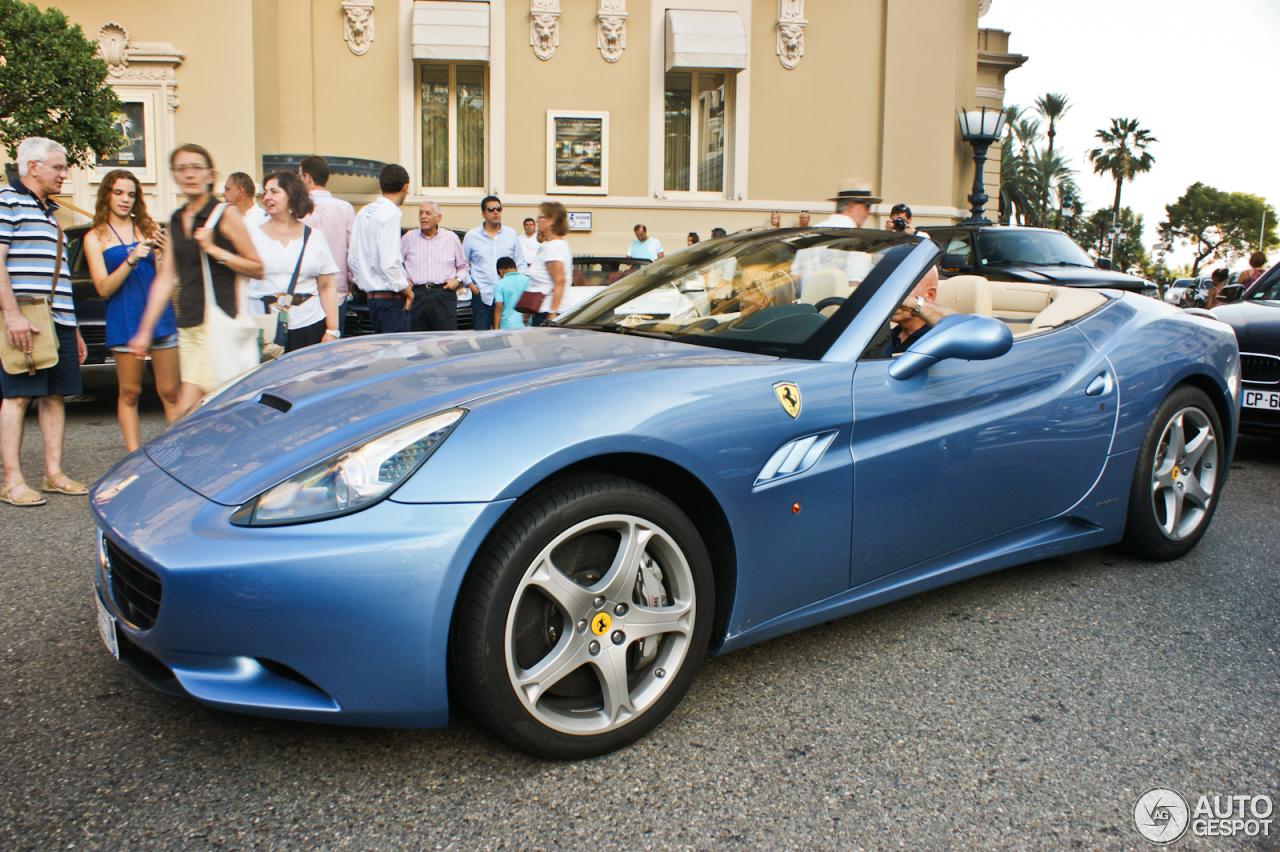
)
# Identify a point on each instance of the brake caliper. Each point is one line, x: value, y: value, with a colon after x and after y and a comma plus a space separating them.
x: 649, y: 592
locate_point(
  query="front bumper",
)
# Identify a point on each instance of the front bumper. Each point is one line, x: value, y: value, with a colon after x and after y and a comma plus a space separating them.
x: 345, y: 620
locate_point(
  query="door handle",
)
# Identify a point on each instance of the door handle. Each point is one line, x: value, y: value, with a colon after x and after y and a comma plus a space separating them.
x: 1100, y: 385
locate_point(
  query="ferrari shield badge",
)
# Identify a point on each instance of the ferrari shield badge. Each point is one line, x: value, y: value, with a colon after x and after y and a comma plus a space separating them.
x: 789, y: 396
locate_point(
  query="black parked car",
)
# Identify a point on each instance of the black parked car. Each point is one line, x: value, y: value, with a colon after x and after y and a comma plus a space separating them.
x: 91, y: 309
x: 1256, y: 320
x: 1033, y: 255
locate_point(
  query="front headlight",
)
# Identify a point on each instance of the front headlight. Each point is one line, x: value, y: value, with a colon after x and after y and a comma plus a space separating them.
x: 354, y: 479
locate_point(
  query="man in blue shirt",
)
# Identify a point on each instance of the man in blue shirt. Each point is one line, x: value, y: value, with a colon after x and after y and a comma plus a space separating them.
x: 482, y: 248
x: 506, y: 293
x: 645, y: 246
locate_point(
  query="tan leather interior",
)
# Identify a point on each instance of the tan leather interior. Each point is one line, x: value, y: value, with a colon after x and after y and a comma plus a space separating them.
x: 1024, y: 308
x: 823, y: 284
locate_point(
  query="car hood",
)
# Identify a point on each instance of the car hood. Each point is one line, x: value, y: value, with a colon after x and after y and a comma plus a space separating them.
x: 1257, y: 324
x: 1075, y: 276
x: 308, y: 406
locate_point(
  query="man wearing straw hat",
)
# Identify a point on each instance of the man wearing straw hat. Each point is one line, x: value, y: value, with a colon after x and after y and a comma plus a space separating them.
x: 853, y: 200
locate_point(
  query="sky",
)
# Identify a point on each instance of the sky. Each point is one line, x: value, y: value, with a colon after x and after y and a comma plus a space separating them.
x: 1201, y: 75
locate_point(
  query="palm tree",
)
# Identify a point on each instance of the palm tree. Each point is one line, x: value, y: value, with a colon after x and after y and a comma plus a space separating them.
x: 1047, y: 170
x: 1052, y: 107
x: 1123, y: 155
x: 1009, y: 166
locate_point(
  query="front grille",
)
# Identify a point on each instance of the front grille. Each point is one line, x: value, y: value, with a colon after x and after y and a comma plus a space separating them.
x: 135, y: 589
x: 1261, y: 369
x: 94, y: 335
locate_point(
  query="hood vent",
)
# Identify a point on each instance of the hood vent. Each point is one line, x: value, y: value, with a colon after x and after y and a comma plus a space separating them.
x: 279, y: 403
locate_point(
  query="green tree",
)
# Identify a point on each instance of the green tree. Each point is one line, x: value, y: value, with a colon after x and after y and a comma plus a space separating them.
x: 1010, y: 166
x: 1219, y: 224
x: 1094, y: 233
x: 1123, y: 153
x: 52, y: 84
x: 1052, y: 107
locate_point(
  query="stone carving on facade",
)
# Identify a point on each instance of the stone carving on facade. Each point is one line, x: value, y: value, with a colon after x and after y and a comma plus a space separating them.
x: 112, y: 41
x: 791, y: 24
x: 984, y: 6
x: 141, y: 61
x: 611, y: 36
x: 357, y: 27
x: 544, y: 27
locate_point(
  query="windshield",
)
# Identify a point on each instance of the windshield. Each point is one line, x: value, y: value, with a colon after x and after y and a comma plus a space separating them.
x: 769, y: 293
x: 1039, y: 248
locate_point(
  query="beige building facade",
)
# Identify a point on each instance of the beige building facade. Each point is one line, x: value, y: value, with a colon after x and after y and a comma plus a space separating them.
x: 683, y: 115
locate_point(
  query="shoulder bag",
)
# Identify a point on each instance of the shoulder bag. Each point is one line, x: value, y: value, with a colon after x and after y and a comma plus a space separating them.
x: 38, y: 311
x: 233, y: 341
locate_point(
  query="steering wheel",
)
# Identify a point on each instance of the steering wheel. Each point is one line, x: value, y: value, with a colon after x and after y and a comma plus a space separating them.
x: 830, y: 301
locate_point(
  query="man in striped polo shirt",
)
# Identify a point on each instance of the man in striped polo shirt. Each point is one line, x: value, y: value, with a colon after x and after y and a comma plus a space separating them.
x: 29, y: 250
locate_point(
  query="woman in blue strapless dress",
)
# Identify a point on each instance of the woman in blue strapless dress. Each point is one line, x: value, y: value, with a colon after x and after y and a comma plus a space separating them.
x: 120, y: 249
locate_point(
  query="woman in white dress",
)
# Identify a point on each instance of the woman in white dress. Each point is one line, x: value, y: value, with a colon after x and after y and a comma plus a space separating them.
x: 554, y: 262
x: 313, y: 307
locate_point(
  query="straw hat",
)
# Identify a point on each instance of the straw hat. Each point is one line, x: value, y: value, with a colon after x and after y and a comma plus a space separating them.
x: 855, y: 189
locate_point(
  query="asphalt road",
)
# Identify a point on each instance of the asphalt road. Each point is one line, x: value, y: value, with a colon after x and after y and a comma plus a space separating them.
x: 1027, y: 709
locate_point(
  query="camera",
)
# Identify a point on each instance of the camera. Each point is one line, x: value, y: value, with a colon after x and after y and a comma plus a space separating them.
x: 899, y: 224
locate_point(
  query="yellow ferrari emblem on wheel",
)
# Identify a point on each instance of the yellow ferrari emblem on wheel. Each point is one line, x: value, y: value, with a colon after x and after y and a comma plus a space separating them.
x: 789, y: 396
x: 600, y: 624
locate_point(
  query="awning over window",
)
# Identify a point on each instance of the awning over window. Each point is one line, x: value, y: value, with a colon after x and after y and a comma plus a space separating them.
x: 705, y: 40
x: 451, y: 29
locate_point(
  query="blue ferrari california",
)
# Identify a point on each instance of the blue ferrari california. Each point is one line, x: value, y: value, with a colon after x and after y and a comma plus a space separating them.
x: 550, y: 528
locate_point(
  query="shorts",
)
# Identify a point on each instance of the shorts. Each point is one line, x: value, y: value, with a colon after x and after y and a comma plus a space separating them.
x: 62, y: 379
x: 169, y: 341
x: 194, y: 363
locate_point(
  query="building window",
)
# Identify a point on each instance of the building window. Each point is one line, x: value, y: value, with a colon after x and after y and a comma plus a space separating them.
x: 453, y: 124
x: 696, y: 127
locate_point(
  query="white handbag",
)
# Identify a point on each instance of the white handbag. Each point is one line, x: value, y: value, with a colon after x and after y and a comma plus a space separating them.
x: 233, y: 341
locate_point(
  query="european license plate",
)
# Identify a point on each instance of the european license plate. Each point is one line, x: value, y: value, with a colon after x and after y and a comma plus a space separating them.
x: 1262, y: 399
x: 107, y: 628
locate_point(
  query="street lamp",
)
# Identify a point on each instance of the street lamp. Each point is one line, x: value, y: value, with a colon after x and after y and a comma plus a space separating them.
x: 1117, y: 233
x: 979, y: 127
x: 1068, y: 213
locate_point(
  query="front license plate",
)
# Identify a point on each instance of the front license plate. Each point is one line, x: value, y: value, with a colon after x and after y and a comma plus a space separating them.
x: 1262, y: 399
x: 107, y: 628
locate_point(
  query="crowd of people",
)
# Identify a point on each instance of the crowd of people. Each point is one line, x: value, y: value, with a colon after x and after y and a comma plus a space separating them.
x: 283, y: 269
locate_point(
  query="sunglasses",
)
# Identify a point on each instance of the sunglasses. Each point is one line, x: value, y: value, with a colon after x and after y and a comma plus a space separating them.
x: 493, y: 209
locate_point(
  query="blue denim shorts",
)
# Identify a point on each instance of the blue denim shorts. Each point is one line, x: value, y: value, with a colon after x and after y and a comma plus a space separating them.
x: 62, y: 379
x: 169, y: 341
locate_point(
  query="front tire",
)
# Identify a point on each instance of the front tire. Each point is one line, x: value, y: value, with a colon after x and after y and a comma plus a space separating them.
x: 585, y: 618
x: 1180, y: 473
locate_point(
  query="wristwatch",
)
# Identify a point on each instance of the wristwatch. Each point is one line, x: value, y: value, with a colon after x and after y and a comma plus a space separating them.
x: 918, y: 307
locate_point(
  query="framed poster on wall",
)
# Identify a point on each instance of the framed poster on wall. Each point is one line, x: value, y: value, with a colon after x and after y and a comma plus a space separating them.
x: 137, y: 152
x: 577, y: 152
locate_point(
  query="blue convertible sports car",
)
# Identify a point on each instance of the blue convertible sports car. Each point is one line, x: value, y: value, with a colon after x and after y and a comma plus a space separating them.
x: 550, y: 528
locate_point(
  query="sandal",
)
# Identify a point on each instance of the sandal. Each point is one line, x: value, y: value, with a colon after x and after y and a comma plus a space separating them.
x: 23, y: 500
x: 71, y: 489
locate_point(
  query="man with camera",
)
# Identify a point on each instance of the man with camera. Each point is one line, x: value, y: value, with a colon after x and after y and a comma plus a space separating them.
x: 900, y: 221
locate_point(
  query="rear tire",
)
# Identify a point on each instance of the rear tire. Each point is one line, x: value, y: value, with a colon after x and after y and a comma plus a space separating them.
x: 1178, y: 478
x: 566, y: 643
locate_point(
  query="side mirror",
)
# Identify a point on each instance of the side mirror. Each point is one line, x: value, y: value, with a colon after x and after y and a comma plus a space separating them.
x: 966, y: 336
x: 1102, y: 263
x: 956, y: 262
x: 1231, y: 293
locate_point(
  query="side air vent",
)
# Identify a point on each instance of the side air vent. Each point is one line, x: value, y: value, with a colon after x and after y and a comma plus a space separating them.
x: 279, y: 403
x: 795, y: 457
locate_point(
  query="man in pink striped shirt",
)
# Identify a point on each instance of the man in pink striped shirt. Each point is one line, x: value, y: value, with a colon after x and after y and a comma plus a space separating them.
x: 434, y: 262
x: 332, y: 217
